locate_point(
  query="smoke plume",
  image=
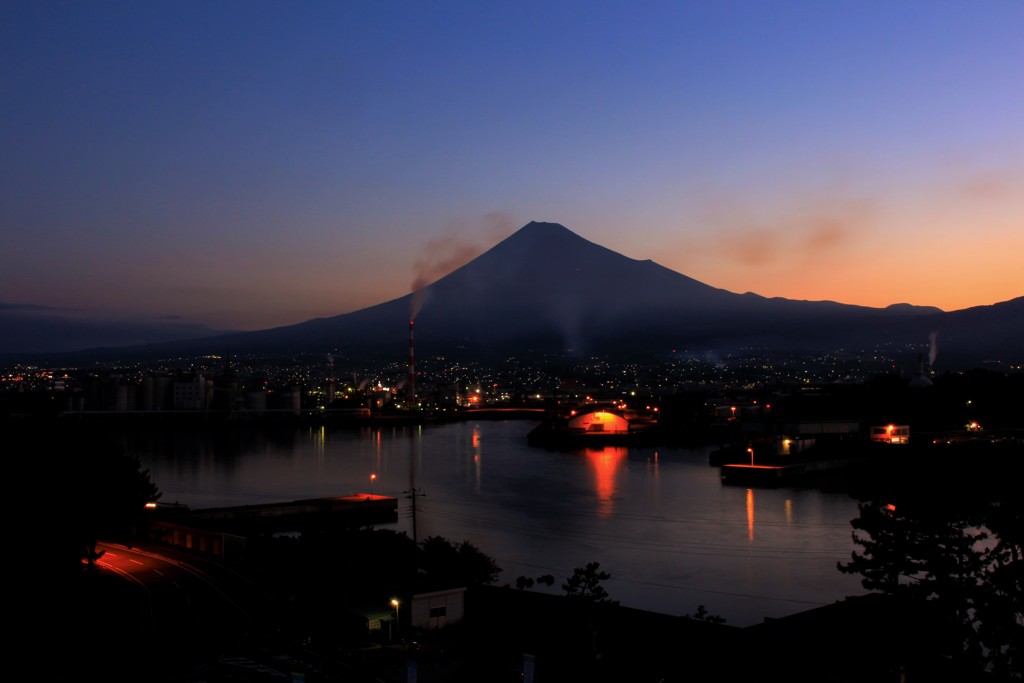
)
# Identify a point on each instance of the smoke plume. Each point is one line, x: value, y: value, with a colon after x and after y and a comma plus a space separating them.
x: 439, y: 257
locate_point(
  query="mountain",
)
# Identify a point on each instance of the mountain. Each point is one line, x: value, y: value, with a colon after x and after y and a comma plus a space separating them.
x: 546, y: 289
x: 48, y: 330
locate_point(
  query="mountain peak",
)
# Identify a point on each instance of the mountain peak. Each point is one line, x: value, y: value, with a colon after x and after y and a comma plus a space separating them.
x: 543, y: 238
x: 536, y: 226
x: 539, y: 230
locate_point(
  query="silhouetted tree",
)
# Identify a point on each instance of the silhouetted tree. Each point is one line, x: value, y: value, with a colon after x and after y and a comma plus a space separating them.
x: 702, y: 614
x: 320, y: 575
x: 962, y: 553
x: 1002, y: 598
x: 585, y: 584
x: 462, y: 562
x: 523, y: 582
x: 99, y: 490
x: 527, y: 582
x: 885, y: 563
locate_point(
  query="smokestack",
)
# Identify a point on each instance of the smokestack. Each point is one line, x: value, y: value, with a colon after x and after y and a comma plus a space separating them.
x: 411, y: 386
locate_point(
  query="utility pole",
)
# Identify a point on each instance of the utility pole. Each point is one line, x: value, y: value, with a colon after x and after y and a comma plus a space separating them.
x: 411, y: 495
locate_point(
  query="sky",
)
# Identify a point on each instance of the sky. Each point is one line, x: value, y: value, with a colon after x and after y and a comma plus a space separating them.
x: 244, y: 165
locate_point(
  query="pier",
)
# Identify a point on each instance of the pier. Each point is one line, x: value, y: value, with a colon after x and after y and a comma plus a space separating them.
x: 770, y: 475
x: 222, y: 532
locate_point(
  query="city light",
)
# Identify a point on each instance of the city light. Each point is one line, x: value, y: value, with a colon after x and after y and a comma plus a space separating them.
x: 394, y: 603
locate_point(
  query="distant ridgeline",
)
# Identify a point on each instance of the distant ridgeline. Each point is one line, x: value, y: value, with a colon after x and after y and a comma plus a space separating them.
x: 547, y: 292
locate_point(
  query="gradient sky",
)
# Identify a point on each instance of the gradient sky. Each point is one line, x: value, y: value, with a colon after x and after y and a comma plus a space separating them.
x: 252, y: 164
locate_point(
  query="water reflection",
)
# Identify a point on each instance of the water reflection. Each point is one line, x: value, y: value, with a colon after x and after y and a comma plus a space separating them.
x: 605, y: 462
x: 659, y: 520
x: 377, y: 446
x: 319, y: 442
x: 476, y: 457
x: 750, y: 514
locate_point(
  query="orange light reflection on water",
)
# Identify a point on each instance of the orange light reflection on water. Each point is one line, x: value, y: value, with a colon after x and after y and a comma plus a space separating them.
x: 606, y: 461
x: 476, y: 456
x: 750, y: 514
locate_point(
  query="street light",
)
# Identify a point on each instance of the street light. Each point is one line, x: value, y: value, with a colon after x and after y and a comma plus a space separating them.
x: 394, y: 603
x: 373, y: 477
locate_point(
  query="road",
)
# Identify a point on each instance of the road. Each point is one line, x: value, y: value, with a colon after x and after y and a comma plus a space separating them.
x: 151, y: 614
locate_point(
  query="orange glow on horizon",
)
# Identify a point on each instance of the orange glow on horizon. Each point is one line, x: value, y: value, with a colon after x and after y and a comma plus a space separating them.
x: 870, y: 258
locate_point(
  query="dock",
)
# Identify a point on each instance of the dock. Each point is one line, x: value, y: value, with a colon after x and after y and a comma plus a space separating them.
x: 782, y: 473
x: 223, y: 532
x: 353, y: 510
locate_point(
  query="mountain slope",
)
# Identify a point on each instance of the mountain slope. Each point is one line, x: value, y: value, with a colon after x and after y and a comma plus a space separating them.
x: 546, y: 289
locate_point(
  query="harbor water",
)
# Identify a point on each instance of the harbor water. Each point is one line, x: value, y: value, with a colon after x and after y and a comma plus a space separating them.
x: 659, y: 520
